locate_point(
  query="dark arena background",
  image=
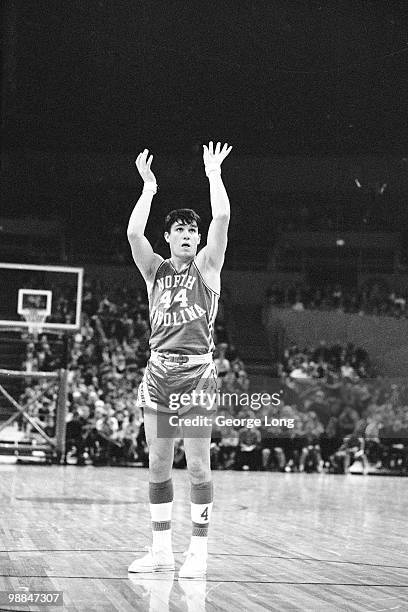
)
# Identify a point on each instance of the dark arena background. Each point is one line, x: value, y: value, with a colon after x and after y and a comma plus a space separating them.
x: 310, y: 503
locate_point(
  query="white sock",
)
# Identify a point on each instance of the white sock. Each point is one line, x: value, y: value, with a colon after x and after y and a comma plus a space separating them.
x: 161, y: 525
x: 200, y: 516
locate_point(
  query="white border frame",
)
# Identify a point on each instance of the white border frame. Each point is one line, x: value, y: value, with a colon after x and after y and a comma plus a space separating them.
x: 23, y: 292
x: 60, y: 326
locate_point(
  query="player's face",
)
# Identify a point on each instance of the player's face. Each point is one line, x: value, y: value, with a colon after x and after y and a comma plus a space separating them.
x: 183, y: 239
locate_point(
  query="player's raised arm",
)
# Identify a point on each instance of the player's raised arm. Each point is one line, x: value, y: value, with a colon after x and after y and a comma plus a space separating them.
x: 213, y: 253
x: 145, y: 258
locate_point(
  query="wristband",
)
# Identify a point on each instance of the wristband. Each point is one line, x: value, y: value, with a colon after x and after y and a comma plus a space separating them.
x: 212, y: 168
x: 150, y: 186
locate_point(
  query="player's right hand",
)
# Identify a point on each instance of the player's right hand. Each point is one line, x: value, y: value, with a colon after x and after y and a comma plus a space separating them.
x: 143, y: 164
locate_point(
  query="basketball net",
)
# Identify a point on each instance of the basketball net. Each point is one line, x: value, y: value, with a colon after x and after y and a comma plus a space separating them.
x: 35, y: 319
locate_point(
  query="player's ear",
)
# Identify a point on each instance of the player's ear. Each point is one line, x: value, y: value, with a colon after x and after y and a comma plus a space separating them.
x: 166, y: 236
x: 199, y: 239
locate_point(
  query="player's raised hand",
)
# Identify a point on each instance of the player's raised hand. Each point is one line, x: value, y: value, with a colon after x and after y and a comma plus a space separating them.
x: 143, y: 163
x: 213, y: 157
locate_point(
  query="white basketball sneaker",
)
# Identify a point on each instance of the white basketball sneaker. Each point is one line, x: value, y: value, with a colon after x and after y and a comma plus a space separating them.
x: 154, y: 561
x: 195, y: 566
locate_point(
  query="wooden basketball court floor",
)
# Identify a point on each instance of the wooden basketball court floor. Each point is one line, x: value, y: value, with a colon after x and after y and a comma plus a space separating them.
x: 278, y: 541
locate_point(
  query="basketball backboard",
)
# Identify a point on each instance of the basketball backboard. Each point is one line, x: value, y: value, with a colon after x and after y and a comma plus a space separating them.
x: 55, y: 290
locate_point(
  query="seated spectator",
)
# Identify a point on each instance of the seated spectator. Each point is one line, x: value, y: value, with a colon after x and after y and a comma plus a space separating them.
x: 128, y: 436
x: 30, y: 362
x: 221, y: 362
x: 107, y: 436
x: 310, y: 457
x: 347, y: 421
x: 273, y: 456
x: 372, y: 298
x: 329, y: 441
x: 249, y: 449
x: 74, y: 436
x: 352, y: 449
x: 215, y: 447
x: 394, y: 440
x: 374, y: 448
x: 228, y: 445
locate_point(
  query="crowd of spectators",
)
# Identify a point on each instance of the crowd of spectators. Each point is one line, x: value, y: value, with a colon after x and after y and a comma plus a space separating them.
x: 333, y: 414
x: 332, y: 363
x: 373, y: 298
x: 335, y: 422
x: 106, y: 361
x: 340, y: 411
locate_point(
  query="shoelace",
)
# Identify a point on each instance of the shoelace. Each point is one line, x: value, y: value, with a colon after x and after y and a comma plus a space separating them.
x: 158, y: 551
x: 186, y: 553
x: 190, y: 553
x: 149, y: 549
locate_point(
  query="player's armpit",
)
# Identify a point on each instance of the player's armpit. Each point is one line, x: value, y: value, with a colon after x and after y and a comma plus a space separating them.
x: 144, y: 257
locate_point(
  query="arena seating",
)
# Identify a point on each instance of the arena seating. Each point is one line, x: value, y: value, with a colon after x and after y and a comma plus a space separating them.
x: 330, y: 392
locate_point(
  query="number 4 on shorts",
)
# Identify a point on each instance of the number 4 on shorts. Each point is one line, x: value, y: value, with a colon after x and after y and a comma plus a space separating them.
x: 204, y: 514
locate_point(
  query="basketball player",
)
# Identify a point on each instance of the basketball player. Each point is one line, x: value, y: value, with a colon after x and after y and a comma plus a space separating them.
x: 183, y: 297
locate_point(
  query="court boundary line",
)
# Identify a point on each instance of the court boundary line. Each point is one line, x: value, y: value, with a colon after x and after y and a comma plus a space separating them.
x: 180, y: 552
x: 227, y: 580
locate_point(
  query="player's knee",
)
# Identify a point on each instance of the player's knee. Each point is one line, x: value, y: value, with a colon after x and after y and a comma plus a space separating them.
x: 159, y: 464
x: 198, y: 469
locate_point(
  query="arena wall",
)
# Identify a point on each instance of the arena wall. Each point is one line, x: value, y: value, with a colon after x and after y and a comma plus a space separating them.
x: 385, y: 338
x: 241, y: 287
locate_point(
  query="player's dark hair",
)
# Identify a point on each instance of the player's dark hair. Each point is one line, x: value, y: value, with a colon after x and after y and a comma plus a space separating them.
x: 181, y: 215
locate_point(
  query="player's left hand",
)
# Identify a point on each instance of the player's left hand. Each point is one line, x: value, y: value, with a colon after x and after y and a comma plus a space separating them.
x: 213, y: 158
